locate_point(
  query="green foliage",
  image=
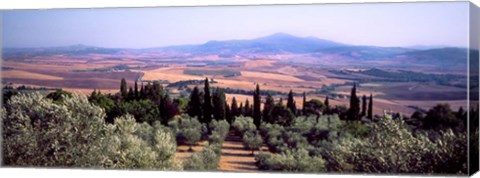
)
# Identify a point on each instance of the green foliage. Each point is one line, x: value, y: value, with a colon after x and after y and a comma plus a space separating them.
x: 291, y: 103
x: 219, y: 130
x: 168, y: 109
x: 257, y: 115
x: 7, y: 94
x: 364, y: 106
x: 182, y: 104
x: 252, y: 140
x: 267, y: 109
x: 123, y: 88
x: 313, y: 107
x: 194, y: 108
x: 356, y: 129
x: 139, y: 146
x: 153, y: 92
x: 235, y: 111
x: 206, y: 160
x: 354, y: 110
x: 40, y: 133
x: 142, y: 110
x: 207, y: 104
x: 281, y: 115
x: 59, y: 95
x: 370, y: 108
x: 291, y: 161
x: 243, y: 124
x: 441, y: 117
x: 327, y: 106
x: 273, y: 137
x: 392, y: 148
x: 247, y: 111
x: 187, y: 130
x: 219, y: 104
x: 105, y: 102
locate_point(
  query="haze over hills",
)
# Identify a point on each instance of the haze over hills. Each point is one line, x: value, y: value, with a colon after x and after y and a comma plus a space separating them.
x: 275, y: 44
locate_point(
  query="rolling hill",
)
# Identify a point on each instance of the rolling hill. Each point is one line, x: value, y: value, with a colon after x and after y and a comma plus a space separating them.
x: 275, y: 44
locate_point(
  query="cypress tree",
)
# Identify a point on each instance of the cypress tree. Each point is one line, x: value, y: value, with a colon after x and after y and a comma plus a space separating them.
x: 257, y: 115
x: 142, y: 92
x: 207, y: 103
x: 247, y: 108
x: 364, y: 106
x: 194, y: 108
x: 218, y: 99
x: 94, y: 94
x: 267, y: 108
x: 136, y: 91
x: 228, y: 113
x: 291, y: 103
x: 234, y: 108
x: 156, y: 92
x: 241, y: 110
x: 327, y: 105
x: 130, y: 94
x: 168, y: 109
x: 370, y: 107
x: 123, y: 88
x: 354, y: 109
x: 304, y: 103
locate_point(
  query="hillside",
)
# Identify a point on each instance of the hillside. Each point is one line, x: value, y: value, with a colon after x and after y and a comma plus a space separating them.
x: 275, y: 44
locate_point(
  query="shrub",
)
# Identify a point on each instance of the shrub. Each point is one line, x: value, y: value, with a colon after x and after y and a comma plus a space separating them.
x: 207, y: 159
x: 204, y: 132
x: 42, y: 133
x: 392, y: 148
x: 243, y: 124
x: 252, y: 140
x: 291, y: 161
x: 139, y: 146
x: 221, y: 126
x: 219, y: 131
x: 303, y: 133
x: 142, y: 110
x: 282, y: 115
x: 441, y: 117
x: 187, y: 130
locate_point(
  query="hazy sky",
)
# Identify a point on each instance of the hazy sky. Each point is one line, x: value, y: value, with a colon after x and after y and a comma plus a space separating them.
x: 389, y: 24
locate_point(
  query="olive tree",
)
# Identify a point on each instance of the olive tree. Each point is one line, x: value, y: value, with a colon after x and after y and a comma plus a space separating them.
x: 252, y: 140
x: 391, y: 148
x: 40, y: 132
x: 187, y: 130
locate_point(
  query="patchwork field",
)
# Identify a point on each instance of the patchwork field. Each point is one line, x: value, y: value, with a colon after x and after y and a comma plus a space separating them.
x: 83, y: 74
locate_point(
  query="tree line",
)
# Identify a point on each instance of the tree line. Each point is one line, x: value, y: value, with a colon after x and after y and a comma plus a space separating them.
x: 151, y: 102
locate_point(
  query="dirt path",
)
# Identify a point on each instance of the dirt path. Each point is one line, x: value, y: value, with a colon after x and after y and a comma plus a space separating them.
x: 234, y: 157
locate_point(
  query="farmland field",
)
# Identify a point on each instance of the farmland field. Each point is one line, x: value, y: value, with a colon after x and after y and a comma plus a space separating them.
x: 79, y: 75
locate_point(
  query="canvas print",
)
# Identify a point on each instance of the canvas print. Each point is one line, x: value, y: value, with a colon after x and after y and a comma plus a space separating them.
x: 380, y: 88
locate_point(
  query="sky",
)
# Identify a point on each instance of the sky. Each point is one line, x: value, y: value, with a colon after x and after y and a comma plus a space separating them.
x: 380, y: 24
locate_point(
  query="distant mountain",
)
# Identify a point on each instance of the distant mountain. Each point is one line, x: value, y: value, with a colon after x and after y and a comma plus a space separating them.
x: 79, y: 49
x: 426, y: 47
x: 278, y: 43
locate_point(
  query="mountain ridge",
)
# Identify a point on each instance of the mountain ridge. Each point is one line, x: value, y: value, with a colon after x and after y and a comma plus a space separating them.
x: 274, y: 44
